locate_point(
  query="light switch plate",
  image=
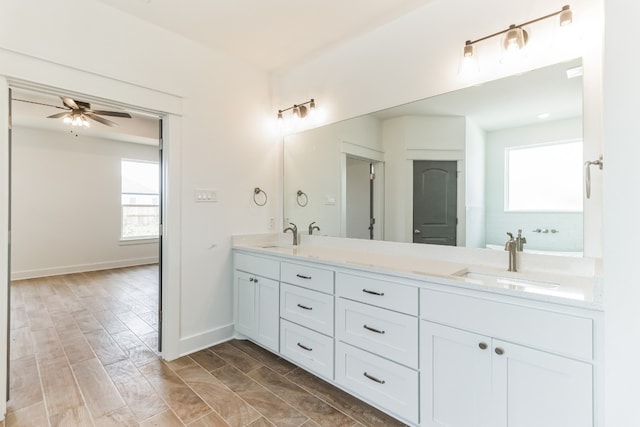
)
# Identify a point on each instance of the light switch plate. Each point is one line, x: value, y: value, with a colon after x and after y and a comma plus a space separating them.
x: 206, y: 195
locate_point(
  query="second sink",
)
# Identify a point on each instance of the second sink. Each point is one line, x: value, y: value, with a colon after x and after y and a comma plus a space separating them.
x: 491, y: 279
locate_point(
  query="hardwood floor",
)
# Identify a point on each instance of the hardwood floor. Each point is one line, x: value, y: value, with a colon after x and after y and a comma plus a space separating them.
x: 83, y: 354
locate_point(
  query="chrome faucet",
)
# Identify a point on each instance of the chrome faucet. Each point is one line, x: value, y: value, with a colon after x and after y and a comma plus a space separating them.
x: 294, y: 230
x: 313, y: 227
x: 511, y: 247
x: 520, y: 241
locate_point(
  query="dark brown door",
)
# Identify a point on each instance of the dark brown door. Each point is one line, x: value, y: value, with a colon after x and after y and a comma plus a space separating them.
x: 434, y: 202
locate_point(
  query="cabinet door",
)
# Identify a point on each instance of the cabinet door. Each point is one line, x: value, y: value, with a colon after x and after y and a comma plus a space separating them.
x: 534, y: 388
x: 267, y: 313
x: 455, y: 377
x: 245, y: 303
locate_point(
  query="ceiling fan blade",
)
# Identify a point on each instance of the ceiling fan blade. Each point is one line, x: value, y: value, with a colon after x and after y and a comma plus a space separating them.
x: 100, y: 119
x: 69, y: 103
x: 57, y: 116
x: 111, y: 113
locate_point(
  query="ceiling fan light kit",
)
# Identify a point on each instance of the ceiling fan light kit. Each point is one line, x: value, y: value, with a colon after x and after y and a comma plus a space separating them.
x: 79, y: 113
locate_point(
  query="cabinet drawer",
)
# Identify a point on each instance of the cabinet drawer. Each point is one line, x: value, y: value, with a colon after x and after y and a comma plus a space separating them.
x: 307, y: 276
x: 307, y: 308
x: 257, y: 265
x: 380, y: 381
x: 391, y: 295
x: 307, y: 348
x: 546, y: 330
x: 383, y: 332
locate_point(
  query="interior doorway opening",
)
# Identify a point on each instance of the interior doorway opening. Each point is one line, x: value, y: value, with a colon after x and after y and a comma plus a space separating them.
x: 364, y: 198
x: 57, y: 178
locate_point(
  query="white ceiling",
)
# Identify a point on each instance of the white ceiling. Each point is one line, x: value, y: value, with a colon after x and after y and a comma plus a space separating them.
x: 272, y: 34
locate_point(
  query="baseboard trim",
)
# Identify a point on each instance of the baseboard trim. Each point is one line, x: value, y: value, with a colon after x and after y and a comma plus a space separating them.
x: 69, y: 269
x: 204, y: 340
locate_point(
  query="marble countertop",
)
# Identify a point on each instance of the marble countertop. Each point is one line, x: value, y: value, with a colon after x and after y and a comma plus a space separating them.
x: 552, y: 280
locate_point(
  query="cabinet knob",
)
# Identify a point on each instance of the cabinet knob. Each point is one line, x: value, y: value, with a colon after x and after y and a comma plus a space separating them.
x: 499, y: 351
x: 482, y: 345
x: 251, y: 279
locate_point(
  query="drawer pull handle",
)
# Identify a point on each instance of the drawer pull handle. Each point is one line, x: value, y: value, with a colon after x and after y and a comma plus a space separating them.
x: 367, y: 291
x: 372, y: 378
x: 304, y: 307
x: 377, y: 331
x: 302, y: 276
x: 304, y: 347
x: 482, y: 345
x: 499, y: 351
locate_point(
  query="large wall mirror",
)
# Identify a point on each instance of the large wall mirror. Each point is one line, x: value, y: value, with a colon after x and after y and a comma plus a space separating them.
x: 462, y: 168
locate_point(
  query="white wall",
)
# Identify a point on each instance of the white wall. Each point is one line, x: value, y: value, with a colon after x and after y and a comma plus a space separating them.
x: 66, y: 203
x: 226, y: 141
x: 622, y: 209
x: 474, y: 178
x: 569, y: 224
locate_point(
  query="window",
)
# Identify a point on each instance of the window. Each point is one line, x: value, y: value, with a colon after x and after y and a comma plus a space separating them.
x: 544, y: 177
x: 140, y: 199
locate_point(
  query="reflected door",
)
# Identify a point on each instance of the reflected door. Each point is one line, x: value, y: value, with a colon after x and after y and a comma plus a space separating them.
x: 434, y: 202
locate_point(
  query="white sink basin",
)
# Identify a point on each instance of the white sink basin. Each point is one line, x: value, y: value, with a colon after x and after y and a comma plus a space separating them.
x: 502, y: 280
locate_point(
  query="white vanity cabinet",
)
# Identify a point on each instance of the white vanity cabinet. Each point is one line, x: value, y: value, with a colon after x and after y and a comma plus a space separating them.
x: 377, y: 342
x: 256, y: 299
x: 306, y: 317
x: 475, y: 379
x: 425, y: 351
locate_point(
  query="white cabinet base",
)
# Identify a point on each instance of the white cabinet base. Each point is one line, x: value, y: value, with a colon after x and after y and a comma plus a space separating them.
x: 380, y: 381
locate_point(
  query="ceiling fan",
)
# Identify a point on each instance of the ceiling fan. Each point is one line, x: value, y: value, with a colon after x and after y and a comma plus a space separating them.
x: 78, y: 113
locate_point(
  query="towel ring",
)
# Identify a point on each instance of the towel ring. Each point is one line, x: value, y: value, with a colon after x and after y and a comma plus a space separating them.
x: 301, y: 195
x: 256, y: 192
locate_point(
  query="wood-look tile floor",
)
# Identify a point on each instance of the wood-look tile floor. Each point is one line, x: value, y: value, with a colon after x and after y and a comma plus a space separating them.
x: 83, y: 354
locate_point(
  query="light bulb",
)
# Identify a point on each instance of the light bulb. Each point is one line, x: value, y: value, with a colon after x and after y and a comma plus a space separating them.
x: 566, y: 16
x: 67, y: 120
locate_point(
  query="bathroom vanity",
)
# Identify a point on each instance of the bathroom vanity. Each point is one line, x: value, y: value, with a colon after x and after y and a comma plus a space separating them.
x: 433, y: 336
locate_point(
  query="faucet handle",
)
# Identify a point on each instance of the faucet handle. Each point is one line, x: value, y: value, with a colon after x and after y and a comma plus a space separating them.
x: 295, y: 227
x: 510, y: 235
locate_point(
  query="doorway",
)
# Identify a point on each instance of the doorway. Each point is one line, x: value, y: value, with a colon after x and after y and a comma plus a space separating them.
x: 435, y: 202
x: 363, y: 198
x: 73, y: 172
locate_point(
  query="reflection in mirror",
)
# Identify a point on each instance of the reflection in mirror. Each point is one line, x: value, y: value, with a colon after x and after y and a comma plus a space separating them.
x: 478, y: 162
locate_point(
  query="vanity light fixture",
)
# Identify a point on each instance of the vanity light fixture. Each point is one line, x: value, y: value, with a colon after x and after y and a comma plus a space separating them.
x: 515, y: 36
x: 299, y: 111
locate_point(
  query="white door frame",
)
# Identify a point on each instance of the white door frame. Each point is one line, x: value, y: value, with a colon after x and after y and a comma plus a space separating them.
x: 29, y: 72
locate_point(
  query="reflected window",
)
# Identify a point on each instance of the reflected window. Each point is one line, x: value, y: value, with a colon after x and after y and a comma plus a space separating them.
x: 544, y: 177
x: 140, y: 199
